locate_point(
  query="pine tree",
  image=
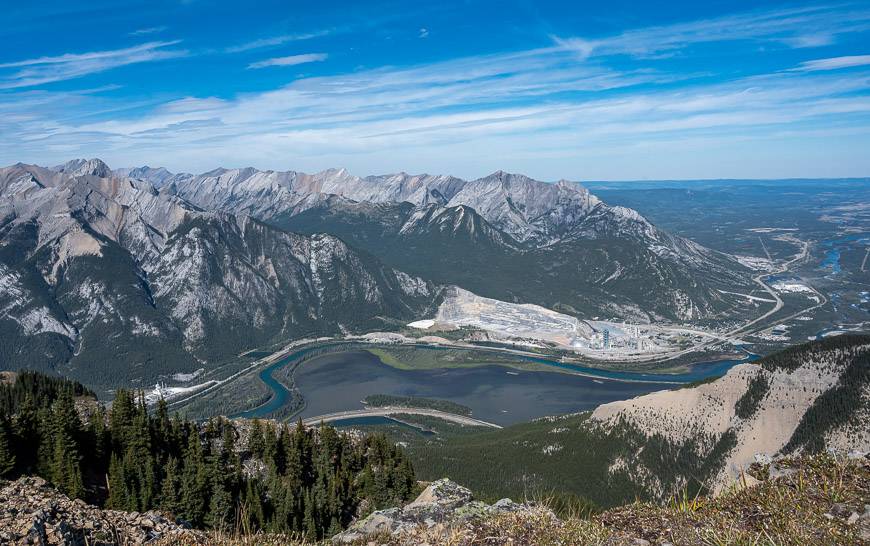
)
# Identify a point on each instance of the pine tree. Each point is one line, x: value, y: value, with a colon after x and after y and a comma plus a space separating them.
x: 220, y: 508
x: 270, y: 445
x: 256, y: 442
x: 309, y: 523
x: 253, y: 503
x: 7, y: 456
x: 26, y: 435
x: 170, y: 491
x: 118, y: 498
x: 194, y: 482
x: 65, y: 467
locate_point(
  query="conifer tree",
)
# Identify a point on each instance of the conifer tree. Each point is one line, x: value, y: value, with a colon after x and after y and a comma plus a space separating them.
x: 26, y: 434
x: 256, y: 442
x: 7, y: 457
x: 118, y: 499
x: 253, y: 504
x: 170, y: 491
x: 194, y: 482
x: 314, y: 484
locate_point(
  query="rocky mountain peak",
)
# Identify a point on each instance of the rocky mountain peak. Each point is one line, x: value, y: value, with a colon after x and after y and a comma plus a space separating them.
x: 155, y: 175
x: 83, y: 167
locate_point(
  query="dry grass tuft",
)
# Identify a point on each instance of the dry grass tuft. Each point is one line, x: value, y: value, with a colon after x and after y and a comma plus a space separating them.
x: 793, y: 509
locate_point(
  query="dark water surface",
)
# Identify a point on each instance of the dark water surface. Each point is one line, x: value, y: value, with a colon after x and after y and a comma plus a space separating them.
x: 340, y: 381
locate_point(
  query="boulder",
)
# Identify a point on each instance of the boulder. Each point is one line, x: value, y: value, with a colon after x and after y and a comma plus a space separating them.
x: 442, y: 503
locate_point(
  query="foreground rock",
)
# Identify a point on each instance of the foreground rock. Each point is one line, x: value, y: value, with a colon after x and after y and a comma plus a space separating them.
x: 443, y: 504
x: 32, y: 512
x: 798, y: 501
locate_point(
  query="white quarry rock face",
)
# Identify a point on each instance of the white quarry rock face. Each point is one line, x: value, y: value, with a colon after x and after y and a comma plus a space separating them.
x: 463, y: 308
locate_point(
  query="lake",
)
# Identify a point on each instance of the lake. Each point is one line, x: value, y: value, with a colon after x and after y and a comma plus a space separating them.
x: 340, y: 381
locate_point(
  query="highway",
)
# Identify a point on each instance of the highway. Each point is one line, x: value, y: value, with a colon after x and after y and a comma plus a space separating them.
x: 395, y: 410
x: 744, y: 329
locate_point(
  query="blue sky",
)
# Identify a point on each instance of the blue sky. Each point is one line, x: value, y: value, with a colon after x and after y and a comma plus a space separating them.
x: 583, y: 91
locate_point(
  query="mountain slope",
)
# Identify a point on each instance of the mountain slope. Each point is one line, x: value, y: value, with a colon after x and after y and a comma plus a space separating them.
x: 811, y: 397
x: 610, y: 264
x: 807, y: 399
x: 98, y: 269
x: 504, y: 236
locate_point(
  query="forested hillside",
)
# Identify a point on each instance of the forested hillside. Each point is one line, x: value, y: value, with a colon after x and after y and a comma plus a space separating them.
x: 807, y: 399
x: 286, y: 478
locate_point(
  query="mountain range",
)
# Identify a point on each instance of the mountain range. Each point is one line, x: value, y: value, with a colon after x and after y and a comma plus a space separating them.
x: 504, y: 236
x: 111, y: 281
x: 118, y: 277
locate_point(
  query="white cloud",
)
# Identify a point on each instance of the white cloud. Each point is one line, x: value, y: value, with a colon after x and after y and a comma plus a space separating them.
x: 513, y: 103
x: 811, y: 26
x: 44, y: 70
x: 146, y: 31
x: 290, y: 60
x: 537, y: 110
x: 281, y: 39
x: 834, y: 63
x: 424, y: 33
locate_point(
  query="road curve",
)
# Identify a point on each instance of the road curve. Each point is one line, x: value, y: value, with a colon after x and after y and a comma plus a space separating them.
x: 394, y: 410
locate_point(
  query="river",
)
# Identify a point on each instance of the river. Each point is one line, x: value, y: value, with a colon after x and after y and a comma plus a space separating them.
x: 339, y: 381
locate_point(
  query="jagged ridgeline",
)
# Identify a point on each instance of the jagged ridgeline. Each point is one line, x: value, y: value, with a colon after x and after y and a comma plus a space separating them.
x: 111, y: 282
x: 219, y: 474
x: 504, y: 236
x: 806, y: 399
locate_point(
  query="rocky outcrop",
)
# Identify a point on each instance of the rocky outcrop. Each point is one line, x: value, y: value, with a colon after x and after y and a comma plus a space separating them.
x: 789, y: 402
x: 32, y: 512
x: 443, y: 504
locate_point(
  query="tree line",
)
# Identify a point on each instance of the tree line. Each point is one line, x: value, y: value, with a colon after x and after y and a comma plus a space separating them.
x: 257, y: 475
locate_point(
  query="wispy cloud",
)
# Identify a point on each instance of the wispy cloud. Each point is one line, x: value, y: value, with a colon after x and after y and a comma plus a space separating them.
x: 482, y: 112
x: 147, y: 31
x: 424, y: 33
x: 281, y: 39
x: 44, y: 70
x: 810, y: 26
x: 290, y: 60
x: 833, y: 63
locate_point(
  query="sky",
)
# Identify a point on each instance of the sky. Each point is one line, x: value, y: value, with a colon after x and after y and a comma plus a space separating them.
x: 576, y: 90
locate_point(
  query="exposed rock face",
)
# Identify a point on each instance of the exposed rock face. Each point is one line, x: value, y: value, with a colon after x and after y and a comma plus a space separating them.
x: 443, y: 503
x: 32, y: 512
x: 157, y: 176
x: 790, y: 402
x: 524, y: 208
x: 93, y: 266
